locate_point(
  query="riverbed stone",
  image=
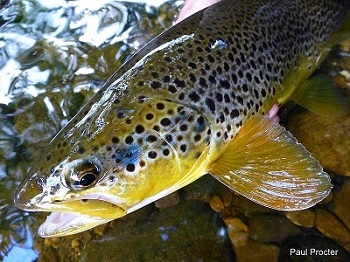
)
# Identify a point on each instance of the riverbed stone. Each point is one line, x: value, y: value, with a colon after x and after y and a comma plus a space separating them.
x: 341, y: 204
x: 237, y: 231
x: 331, y: 227
x: 168, y: 201
x: 257, y: 251
x: 216, y: 204
x: 327, y: 138
x: 269, y: 228
x: 304, y: 218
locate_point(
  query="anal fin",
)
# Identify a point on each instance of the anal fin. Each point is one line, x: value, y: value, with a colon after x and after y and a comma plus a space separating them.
x: 266, y: 164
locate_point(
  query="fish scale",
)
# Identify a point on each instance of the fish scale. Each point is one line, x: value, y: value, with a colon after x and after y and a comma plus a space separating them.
x: 192, y: 102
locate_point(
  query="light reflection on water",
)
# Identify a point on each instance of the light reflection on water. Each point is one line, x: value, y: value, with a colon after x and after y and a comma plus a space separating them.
x: 53, y: 56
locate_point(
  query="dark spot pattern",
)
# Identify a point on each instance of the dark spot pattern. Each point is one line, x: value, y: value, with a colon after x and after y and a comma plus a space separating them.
x: 240, y: 56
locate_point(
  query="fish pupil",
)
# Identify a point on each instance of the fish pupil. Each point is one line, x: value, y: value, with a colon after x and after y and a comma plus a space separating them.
x: 87, y: 179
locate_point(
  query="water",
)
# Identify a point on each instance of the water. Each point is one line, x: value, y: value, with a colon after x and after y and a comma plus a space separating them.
x: 54, y: 55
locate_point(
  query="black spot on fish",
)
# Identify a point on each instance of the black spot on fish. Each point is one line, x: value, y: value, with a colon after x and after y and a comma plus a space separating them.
x: 151, y: 138
x: 192, y: 77
x: 203, y: 82
x: 197, y: 137
x: 165, y: 121
x: 183, y: 148
x: 240, y: 100
x: 234, y: 113
x: 225, y: 84
x: 156, y: 84
x: 166, y: 79
x: 184, y: 127
x: 81, y: 150
x: 139, y: 129
x: 130, y: 167
x: 115, y: 140
x: 211, y: 105
x: 192, y: 65
x: 166, y: 152
x: 194, y: 96
x: 179, y: 83
x: 160, y: 106
x: 156, y: 128
x: 172, y: 89
x: 154, y: 74
x: 169, y: 138
x: 152, y: 154
x: 129, y: 140
x: 181, y: 96
x: 149, y: 116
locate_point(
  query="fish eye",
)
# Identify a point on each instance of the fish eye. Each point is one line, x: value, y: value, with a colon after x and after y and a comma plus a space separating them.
x: 81, y: 174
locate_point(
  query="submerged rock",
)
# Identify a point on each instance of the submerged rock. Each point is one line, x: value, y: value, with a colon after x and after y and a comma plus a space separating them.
x: 328, y: 139
x: 168, y: 201
x: 216, y: 204
x: 341, y: 204
x: 257, y: 251
x: 331, y: 227
x: 269, y: 228
x: 237, y: 231
x: 304, y: 218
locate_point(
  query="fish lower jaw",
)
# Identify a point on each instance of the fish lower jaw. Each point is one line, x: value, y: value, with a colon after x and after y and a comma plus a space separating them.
x: 71, y: 217
x: 60, y: 224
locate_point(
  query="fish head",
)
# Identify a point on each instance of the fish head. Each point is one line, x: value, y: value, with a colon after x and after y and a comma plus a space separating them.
x: 112, y: 159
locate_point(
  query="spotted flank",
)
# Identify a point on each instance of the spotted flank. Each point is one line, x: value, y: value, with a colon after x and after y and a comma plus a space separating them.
x: 194, y: 101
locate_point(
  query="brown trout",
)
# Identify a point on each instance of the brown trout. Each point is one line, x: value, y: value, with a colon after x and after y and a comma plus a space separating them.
x: 194, y: 101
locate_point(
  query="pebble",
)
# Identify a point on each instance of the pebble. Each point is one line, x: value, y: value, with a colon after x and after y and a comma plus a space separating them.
x: 304, y: 218
x: 269, y: 228
x: 341, y: 204
x: 216, y: 204
x: 227, y: 198
x: 168, y: 201
x: 52, y: 242
x: 75, y: 243
x: 99, y: 230
x: 237, y: 231
x: 257, y: 251
x: 331, y: 227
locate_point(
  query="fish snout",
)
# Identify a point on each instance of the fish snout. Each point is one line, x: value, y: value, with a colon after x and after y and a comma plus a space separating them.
x: 30, y: 192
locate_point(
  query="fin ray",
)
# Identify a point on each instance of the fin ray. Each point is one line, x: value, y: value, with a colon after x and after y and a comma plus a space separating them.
x: 266, y: 164
x: 320, y: 96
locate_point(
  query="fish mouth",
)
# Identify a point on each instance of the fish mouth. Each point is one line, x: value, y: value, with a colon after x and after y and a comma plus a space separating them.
x: 71, y: 215
x: 81, y: 214
x: 59, y: 224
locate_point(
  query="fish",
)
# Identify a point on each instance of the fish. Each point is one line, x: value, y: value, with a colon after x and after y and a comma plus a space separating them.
x: 194, y: 101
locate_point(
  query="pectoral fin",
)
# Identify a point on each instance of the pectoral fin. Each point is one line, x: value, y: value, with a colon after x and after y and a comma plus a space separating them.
x: 266, y: 164
x: 321, y: 97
